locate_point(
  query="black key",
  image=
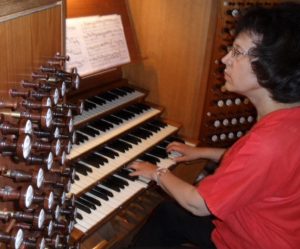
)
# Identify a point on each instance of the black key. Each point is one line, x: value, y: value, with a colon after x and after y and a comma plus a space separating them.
x: 99, y: 194
x: 107, y: 96
x: 104, y: 191
x: 175, y: 139
x: 146, y: 132
x: 140, y: 107
x: 131, y: 139
x: 101, y: 125
x: 111, y: 185
x: 158, y: 123
x: 89, y: 131
x: 141, y: 133
x: 88, y: 105
x: 91, y: 199
x: 125, y: 173
x: 127, y: 89
x: 108, y: 152
x: 100, y: 159
x: 80, y: 138
x: 113, y: 119
x: 123, y: 114
x: 90, y: 161
x: 134, y: 109
x: 149, y: 158
x: 81, y: 171
x: 151, y: 127
x: 118, y: 92
x: 143, y: 106
x: 159, y: 152
x: 79, y: 216
x: 86, y: 203
x: 97, y: 101
x: 121, y: 181
x: 82, y: 207
x: 163, y: 144
x: 77, y: 178
x: 113, y: 182
x: 120, y: 146
x: 83, y: 167
x: 93, y: 160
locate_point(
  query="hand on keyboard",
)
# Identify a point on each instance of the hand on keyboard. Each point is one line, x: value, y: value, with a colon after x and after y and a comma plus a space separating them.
x: 174, y: 154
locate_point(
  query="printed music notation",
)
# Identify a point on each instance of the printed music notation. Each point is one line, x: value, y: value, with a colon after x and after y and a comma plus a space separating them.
x: 96, y: 43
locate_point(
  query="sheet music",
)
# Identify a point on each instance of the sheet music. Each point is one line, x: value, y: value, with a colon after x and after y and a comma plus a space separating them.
x: 96, y: 43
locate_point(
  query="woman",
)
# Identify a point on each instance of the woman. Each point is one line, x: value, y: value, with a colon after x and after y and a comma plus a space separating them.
x: 253, y: 199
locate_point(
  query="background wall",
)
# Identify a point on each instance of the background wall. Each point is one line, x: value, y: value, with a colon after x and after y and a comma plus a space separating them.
x: 175, y: 39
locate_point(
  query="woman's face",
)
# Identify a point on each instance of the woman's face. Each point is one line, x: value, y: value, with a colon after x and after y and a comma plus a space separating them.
x: 238, y: 72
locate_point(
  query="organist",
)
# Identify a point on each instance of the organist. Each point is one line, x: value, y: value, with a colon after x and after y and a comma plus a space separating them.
x: 254, y: 194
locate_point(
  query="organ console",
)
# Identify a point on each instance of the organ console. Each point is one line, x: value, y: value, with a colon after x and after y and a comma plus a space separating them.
x: 66, y: 138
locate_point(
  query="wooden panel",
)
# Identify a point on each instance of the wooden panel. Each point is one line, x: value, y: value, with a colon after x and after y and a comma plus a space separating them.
x: 175, y: 39
x: 26, y: 42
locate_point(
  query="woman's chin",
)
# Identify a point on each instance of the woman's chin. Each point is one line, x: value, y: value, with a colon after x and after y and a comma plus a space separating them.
x: 228, y: 86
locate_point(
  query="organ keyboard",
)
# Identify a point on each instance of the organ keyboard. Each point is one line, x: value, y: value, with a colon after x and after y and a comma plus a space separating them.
x: 106, y: 196
x: 104, y: 205
x: 102, y: 103
x: 101, y: 130
x: 107, y: 141
x: 100, y: 163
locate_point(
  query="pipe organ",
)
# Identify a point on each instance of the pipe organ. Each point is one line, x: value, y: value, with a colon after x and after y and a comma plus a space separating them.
x: 65, y: 140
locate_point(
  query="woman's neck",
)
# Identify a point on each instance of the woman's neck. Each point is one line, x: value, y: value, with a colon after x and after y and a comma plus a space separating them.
x: 264, y: 104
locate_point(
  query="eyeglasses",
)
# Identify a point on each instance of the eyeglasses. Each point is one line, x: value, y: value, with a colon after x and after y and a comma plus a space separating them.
x: 235, y: 53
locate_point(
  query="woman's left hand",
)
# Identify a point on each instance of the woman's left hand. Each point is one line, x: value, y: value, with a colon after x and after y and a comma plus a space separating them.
x: 144, y: 169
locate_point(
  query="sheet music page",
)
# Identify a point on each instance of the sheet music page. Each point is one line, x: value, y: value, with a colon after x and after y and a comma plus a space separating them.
x: 96, y: 43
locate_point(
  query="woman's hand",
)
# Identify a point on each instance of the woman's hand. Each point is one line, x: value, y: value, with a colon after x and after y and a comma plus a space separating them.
x: 184, y: 152
x: 144, y: 169
x: 190, y: 153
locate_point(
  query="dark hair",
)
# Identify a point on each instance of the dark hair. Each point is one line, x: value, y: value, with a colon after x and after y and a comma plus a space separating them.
x: 276, y: 63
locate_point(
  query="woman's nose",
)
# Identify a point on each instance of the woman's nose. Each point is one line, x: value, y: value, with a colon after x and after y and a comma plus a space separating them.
x: 226, y: 59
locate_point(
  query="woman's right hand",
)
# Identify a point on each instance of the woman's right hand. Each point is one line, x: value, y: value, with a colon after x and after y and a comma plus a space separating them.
x: 184, y: 152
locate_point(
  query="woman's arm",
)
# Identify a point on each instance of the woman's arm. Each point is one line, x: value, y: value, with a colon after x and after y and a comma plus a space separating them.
x: 184, y: 193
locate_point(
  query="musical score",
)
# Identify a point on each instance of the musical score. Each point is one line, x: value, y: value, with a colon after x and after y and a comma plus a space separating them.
x: 96, y: 43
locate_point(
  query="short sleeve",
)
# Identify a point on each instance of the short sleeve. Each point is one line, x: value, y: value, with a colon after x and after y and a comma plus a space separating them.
x: 241, y: 178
